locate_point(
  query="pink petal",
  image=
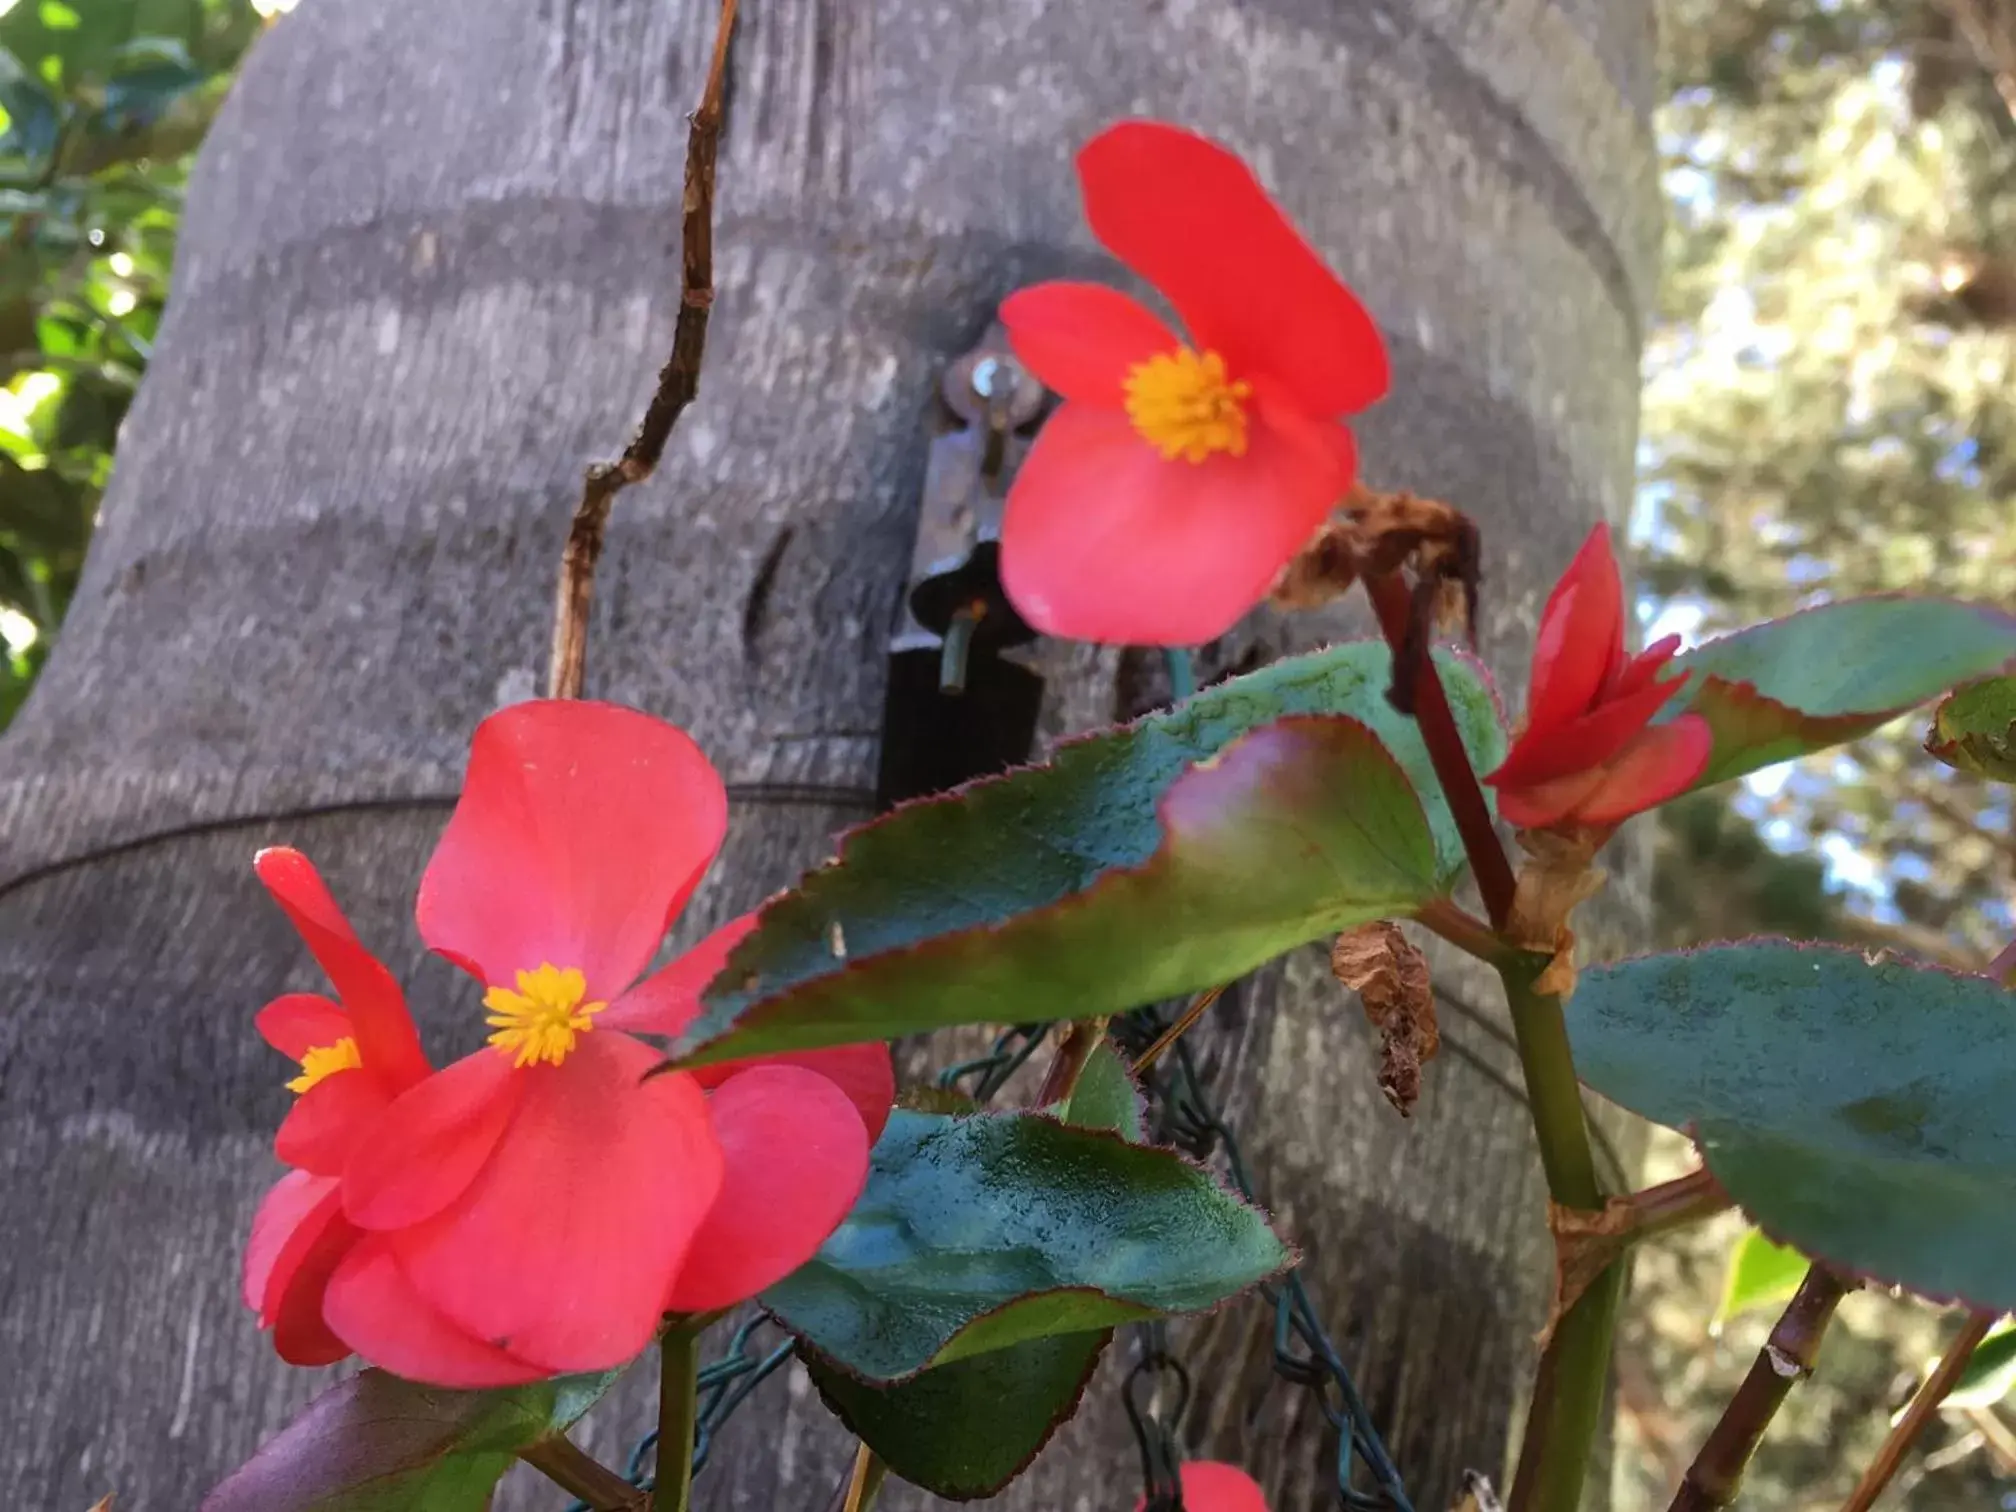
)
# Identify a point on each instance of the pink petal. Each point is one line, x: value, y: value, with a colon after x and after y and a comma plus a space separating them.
x: 668, y: 1000
x: 386, y: 1039
x: 1662, y: 763
x: 1643, y: 668
x: 299, y: 1236
x: 797, y: 1158
x: 581, y: 830
x: 1081, y: 339
x: 1190, y: 218
x: 288, y: 1203
x: 299, y: 1022
x: 1548, y: 803
x: 1104, y: 541
x: 375, y: 1309
x: 864, y: 1072
x: 564, y: 1248
x: 328, y: 1120
x: 426, y: 1148
x: 1210, y: 1486
x: 1581, y: 633
x: 1543, y: 754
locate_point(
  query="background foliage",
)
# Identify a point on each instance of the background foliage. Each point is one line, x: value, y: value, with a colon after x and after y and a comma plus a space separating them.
x: 103, y: 104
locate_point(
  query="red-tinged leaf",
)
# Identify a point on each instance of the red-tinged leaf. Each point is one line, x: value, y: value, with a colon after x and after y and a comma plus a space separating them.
x: 1145, y: 862
x: 1831, y: 674
x: 1974, y: 729
x: 1862, y: 1111
x: 375, y: 1443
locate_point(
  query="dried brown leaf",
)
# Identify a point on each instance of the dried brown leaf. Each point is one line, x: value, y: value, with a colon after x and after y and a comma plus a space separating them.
x: 1390, y: 976
x: 1556, y: 879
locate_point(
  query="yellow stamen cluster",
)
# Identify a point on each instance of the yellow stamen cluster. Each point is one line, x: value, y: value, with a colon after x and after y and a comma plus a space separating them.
x: 1184, y: 405
x: 542, y: 1019
x: 324, y: 1061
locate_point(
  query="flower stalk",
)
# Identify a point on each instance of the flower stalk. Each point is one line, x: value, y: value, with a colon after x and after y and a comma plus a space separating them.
x: 1787, y: 1357
x: 678, y: 1413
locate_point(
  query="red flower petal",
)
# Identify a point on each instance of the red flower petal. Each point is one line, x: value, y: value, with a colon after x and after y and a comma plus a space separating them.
x: 299, y: 1022
x: 864, y: 1072
x: 1190, y: 218
x: 564, y: 1248
x: 427, y: 1147
x: 1662, y: 763
x: 581, y: 830
x: 327, y: 1121
x: 375, y: 1309
x: 1582, y: 744
x: 386, y: 1039
x: 298, y: 1237
x: 796, y: 1159
x: 1210, y: 1486
x: 668, y: 1000
x: 1646, y: 666
x: 1581, y: 636
x: 1104, y: 541
x: 1081, y: 338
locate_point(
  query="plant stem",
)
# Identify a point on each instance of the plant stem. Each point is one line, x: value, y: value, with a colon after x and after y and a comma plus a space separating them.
x: 1675, y: 1204
x: 1552, y: 1092
x: 1568, y: 1395
x: 678, y: 1404
x: 867, y: 1480
x: 1467, y: 932
x: 1080, y: 1040
x: 1488, y: 862
x: 586, y: 1478
x: 1182, y: 673
x: 1919, y: 1413
x: 1198, y: 1006
x: 1787, y: 1356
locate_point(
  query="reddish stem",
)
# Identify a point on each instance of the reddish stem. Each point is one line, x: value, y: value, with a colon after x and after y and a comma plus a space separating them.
x: 1951, y: 1366
x: 1488, y: 861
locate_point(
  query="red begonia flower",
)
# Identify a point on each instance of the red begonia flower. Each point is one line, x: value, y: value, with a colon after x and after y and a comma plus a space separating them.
x: 1161, y: 500
x: 355, y: 1057
x: 1590, y: 754
x: 536, y: 1207
x: 1212, y: 1486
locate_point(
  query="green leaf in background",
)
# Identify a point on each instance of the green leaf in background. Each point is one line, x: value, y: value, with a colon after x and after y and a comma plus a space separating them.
x: 1864, y: 1111
x: 1974, y: 729
x: 965, y: 1430
x: 1142, y: 863
x: 1761, y: 1274
x: 1106, y: 1096
x: 375, y: 1443
x: 1827, y: 675
x: 978, y: 1233
x: 1990, y: 1372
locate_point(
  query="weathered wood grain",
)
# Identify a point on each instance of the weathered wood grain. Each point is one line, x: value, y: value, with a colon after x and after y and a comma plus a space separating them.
x: 428, y: 271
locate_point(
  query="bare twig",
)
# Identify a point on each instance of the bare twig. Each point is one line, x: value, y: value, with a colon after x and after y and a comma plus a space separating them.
x: 1787, y: 1356
x: 571, y: 1469
x: 1147, y: 1058
x: 678, y: 384
x: 1918, y: 1414
x: 865, y: 1481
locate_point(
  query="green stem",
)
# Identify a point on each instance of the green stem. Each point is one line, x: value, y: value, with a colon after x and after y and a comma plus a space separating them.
x: 1182, y: 673
x: 1568, y: 1401
x: 1568, y: 1391
x: 678, y: 1404
x: 958, y: 648
x: 1464, y: 930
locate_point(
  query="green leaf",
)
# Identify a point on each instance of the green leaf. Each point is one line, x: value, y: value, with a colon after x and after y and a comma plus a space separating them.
x: 1827, y: 675
x: 1990, y: 1372
x: 1143, y: 863
x: 1864, y: 1111
x: 979, y: 1233
x: 965, y: 1430
x: 1761, y: 1274
x: 376, y: 1443
x: 1974, y: 729
x: 1106, y: 1096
